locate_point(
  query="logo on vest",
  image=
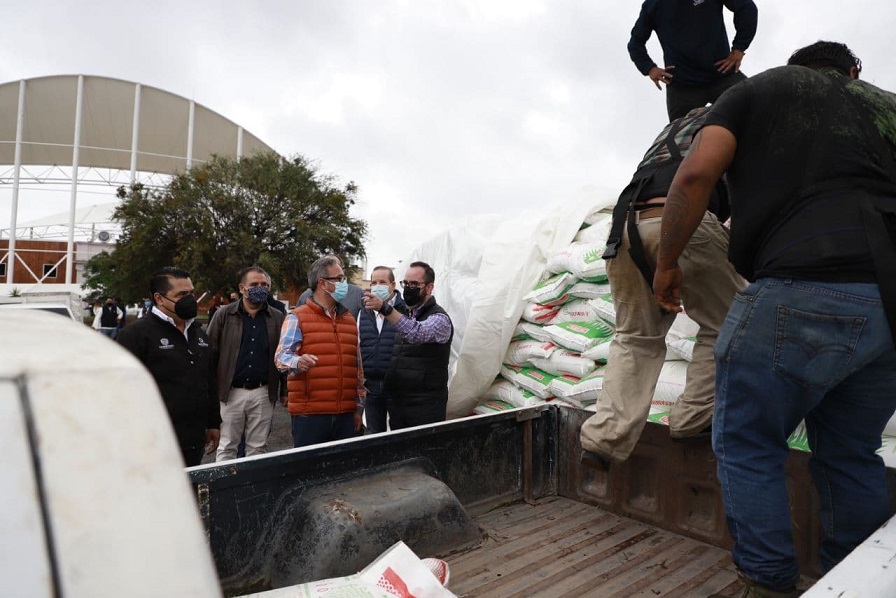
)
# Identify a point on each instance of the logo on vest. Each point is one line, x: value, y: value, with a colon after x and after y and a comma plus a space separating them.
x: 165, y: 344
x: 202, y: 343
x: 698, y: 2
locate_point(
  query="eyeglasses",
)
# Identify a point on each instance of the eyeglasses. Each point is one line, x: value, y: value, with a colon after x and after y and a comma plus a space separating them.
x: 334, y: 278
x: 413, y: 284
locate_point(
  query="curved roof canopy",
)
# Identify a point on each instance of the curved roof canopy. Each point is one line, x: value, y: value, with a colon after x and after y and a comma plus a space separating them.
x: 123, y: 125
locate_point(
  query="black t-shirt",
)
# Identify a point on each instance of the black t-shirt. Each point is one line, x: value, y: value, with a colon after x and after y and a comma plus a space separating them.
x: 810, y: 146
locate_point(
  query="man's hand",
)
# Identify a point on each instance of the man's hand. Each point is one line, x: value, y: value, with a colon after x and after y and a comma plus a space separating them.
x: 732, y: 62
x: 660, y: 75
x: 373, y: 302
x: 667, y: 288
x: 212, y: 437
x: 284, y: 401
x: 358, y: 421
x: 306, y: 362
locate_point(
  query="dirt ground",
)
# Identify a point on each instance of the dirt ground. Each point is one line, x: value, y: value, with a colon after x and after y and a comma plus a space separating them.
x: 281, y: 434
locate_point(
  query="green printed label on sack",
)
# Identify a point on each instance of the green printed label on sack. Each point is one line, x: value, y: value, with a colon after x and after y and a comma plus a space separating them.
x: 550, y: 281
x: 587, y: 329
x: 594, y: 255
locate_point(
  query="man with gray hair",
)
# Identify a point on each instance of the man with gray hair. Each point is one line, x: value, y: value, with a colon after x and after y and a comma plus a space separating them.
x: 244, y: 335
x: 319, y: 351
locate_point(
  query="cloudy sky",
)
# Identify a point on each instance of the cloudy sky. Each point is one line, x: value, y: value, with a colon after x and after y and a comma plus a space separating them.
x: 440, y: 110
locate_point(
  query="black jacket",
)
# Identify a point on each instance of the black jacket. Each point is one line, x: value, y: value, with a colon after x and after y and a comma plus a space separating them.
x: 183, y: 372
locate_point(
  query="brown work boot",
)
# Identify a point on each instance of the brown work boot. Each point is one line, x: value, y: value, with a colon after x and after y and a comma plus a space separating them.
x: 757, y: 590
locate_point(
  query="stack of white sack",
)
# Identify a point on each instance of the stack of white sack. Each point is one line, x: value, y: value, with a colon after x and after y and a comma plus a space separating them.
x: 560, y: 323
x: 561, y: 345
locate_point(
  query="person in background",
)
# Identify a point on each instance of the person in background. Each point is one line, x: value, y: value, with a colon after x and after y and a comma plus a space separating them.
x: 319, y: 351
x: 109, y: 315
x: 377, y: 338
x: 810, y: 156
x: 178, y: 355
x: 417, y: 377
x: 244, y: 337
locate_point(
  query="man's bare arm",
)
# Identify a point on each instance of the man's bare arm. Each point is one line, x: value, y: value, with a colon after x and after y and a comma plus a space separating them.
x: 709, y: 157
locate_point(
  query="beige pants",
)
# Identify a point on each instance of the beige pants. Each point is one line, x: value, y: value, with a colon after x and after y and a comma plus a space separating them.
x: 638, y: 350
x: 249, y: 411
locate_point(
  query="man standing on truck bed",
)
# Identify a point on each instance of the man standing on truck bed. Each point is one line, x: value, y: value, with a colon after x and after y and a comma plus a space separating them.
x: 810, y: 155
x: 638, y: 350
x: 319, y: 351
x: 173, y: 347
x: 244, y: 336
x: 418, y: 374
x: 699, y: 66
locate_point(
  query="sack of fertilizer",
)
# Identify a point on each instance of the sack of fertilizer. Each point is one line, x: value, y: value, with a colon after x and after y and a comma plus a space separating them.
x: 561, y: 362
x: 552, y: 291
x: 579, y: 391
x: 577, y: 310
x: 605, y: 308
x: 522, y: 352
x: 589, y: 290
x: 582, y: 259
x: 529, y: 330
x: 597, y: 216
x: 529, y: 378
x: 492, y: 406
x: 508, y: 392
x: 599, y: 352
x: 670, y: 384
x: 540, y: 314
x: 597, y: 232
x: 682, y: 337
x: 578, y: 336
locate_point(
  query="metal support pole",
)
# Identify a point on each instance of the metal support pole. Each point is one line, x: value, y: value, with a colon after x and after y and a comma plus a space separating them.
x: 73, y: 205
x: 190, y: 135
x: 239, y: 143
x: 135, y: 133
x: 20, y: 127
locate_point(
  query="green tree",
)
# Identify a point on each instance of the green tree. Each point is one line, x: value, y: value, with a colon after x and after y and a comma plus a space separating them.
x: 224, y: 215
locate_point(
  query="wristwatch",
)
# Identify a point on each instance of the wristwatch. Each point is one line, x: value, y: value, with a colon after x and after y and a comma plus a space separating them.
x: 386, y: 309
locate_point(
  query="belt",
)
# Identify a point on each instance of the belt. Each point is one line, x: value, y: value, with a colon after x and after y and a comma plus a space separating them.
x: 646, y: 213
x: 248, y: 385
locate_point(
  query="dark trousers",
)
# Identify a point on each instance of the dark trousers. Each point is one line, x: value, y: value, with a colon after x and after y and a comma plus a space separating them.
x: 376, y: 406
x: 682, y: 99
x: 314, y: 429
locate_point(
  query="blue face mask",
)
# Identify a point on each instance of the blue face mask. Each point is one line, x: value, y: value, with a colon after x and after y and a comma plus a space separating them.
x: 257, y: 295
x: 147, y: 303
x: 340, y: 291
x: 382, y: 291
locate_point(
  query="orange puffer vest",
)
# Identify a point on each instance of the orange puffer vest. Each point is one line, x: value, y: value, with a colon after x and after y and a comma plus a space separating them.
x: 331, y: 386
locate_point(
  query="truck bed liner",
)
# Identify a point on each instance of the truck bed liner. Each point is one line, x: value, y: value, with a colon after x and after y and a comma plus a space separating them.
x: 557, y: 546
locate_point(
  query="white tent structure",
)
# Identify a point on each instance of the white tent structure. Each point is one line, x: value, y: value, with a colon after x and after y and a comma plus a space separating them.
x: 81, y: 130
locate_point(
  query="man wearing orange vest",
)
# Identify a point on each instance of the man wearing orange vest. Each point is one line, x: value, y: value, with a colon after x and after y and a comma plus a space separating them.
x: 319, y: 351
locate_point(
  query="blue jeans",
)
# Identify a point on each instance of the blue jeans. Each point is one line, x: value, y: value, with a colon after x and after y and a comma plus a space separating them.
x: 314, y: 429
x: 789, y: 351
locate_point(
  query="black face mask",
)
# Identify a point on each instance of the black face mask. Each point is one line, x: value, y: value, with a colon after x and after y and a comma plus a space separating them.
x: 412, y: 296
x: 185, y: 307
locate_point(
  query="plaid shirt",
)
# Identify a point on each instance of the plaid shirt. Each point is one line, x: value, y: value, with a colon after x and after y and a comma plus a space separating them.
x: 434, y: 329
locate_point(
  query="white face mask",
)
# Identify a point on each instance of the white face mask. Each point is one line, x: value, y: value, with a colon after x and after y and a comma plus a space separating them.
x: 381, y: 290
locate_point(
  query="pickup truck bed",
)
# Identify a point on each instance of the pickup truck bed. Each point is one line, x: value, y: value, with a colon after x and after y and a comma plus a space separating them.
x: 560, y: 547
x: 503, y: 498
